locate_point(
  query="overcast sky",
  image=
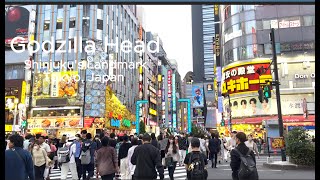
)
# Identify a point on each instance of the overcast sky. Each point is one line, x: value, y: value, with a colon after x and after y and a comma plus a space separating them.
x: 173, y: 24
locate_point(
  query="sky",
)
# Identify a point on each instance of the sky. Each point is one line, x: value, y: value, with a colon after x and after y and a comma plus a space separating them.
x: 173, y: 25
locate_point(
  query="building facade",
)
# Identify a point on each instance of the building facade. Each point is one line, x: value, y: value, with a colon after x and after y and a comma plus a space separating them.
x: 90, y: 73
x: 202, y: 39
x: 246, y: 46
x: 20, y: 22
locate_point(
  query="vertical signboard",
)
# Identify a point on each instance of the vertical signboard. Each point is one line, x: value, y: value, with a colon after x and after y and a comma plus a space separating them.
x: 174, y: 108
x: 169, y: 75
x: 217, y: 55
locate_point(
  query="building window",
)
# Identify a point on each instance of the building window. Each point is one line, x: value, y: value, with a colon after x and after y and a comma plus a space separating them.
x: 60, y: 6
x: 100, y: 24
x: 46, y: 25
x: 227, y: 12
x: 73, y: 5
x: 250, y: 26
x: 14, y: 71
x: 309, y: 20
x: 59, y: 25
x: 100, y: 6
x: 72, y: 24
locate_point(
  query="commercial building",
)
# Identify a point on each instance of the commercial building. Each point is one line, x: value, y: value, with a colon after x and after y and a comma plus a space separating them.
x: 19, y: 23
x: 202, y: 40
x: 66, y: 92
x: 246, y: 47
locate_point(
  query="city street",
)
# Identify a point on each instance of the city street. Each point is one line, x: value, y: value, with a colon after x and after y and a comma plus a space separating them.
x: 224, y: 172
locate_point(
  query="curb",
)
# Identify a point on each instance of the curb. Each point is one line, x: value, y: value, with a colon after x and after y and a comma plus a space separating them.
x: 287, y: 166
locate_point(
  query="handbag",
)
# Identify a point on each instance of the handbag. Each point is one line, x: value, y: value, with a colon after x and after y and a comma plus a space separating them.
x: 168, y: 161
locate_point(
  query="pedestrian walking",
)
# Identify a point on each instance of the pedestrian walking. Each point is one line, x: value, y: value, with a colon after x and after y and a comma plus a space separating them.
x: 214, y: 150
x: 112, y: 140
x: 87, y: 157
x: 252, y: 145
x: 154, y: 141
x: 18, y: 161
x: 97, y: 141
x: 106, y: 160
x: 70, y: 164
x: 26, y: 142
x: 203, y: 147
x: 223, y: 151
x: 195, y: 162
x: 183, y: 145
x: 134, y: 143
x: 40, y: 160
x: 172, y: 156
x: 77, y: 155
x: 240, y: 170
x: 189, y: 140
x: 119, y: 142
x: 123, y: 158
x: 259, y: 144
x: 44, y: 145
x: 163, y: 144
x: 231, y: 143
x: 147, y: 160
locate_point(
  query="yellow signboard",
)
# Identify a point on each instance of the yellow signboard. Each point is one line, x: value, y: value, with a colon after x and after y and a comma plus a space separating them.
x: 23, y: 92
x: 8, y: 128
x: 152, y: 111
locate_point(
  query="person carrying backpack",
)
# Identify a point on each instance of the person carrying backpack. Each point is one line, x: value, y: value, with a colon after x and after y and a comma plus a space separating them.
x: 87, y: 157
x: 66, y: 156
x: 195, y: 162
x: 243, y: 161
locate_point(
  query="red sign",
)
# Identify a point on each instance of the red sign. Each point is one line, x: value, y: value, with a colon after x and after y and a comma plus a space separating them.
x: 244, y: 78
x: 88, y: 122
x: 169, y: 83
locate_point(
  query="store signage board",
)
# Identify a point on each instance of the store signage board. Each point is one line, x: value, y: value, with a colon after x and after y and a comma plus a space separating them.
x: 241, y: 78
x: 277, y: 143
x: 54, y: 122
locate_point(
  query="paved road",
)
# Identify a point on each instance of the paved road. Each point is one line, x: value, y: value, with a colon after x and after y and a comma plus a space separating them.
x: 179, y: 174
x: 224, y: 171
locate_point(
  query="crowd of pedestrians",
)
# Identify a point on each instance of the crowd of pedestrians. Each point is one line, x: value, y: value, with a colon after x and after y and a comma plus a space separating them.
x: 124, y: 157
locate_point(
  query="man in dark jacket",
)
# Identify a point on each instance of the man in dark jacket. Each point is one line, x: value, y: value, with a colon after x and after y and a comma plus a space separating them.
x: 235, y: 157
x: 183, y: 145
x: 18, y: 162
x: 112, y: 141
x: 147, y: 159
x: 213, y: 146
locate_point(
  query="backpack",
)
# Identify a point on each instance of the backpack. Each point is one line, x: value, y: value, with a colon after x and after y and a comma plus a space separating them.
x: 63, y: 154
x: 196, y: 164
x: 85, y: 155
x: 248, y: 169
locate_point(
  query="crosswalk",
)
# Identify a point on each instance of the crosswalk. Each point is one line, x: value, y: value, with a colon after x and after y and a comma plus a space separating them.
x: 179, y: 174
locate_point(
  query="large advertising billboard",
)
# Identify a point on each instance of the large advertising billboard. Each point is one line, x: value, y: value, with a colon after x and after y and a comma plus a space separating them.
x: 17, y: 22
x: 197, y: 96
x: 243, y: 77
x: 251, y: 106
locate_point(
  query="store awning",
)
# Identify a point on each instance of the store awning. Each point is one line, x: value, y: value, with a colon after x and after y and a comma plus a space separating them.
x: 286, y: 119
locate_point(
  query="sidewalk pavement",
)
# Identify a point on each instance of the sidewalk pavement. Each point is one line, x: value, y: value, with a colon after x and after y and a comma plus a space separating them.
x: 284, y: 165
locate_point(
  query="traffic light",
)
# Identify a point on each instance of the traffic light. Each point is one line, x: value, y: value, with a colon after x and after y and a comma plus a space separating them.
x: 222, y: 122
x: 261, y: 95
x: 267, y: 91
x: 24, y: 124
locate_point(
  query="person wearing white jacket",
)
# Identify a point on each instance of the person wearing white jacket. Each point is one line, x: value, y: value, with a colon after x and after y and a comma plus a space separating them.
x: 71, y: 165
x: 134, y: 143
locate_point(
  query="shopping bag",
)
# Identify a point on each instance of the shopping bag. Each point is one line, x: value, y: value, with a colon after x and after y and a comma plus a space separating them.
x: 46, y: 172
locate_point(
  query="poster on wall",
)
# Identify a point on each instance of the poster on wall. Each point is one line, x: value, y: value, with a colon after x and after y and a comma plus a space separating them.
x: 197, y: 96
x: 296, y: 104
x: 17, y: 20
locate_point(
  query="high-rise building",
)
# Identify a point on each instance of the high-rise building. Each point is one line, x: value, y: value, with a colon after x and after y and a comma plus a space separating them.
x: 246, y: 47
x: 107, y: 26
x: 202, y: 41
